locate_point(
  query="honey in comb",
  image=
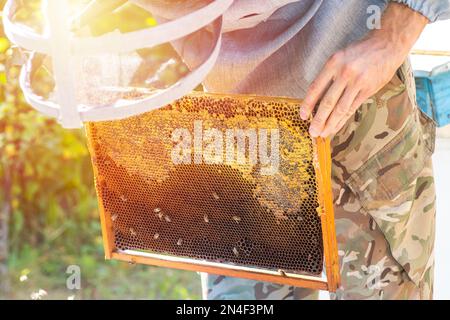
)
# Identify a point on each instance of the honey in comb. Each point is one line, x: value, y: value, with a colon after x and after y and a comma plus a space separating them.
x: 264, y: 222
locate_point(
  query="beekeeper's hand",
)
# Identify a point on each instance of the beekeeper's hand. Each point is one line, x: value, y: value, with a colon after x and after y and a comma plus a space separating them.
x: 353, y: 75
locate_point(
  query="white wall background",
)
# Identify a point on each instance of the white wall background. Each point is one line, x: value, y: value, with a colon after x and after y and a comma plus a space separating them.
x: 442, y: 176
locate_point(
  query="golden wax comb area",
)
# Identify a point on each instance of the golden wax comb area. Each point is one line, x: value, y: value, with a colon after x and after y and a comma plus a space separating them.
x: 178, y: 189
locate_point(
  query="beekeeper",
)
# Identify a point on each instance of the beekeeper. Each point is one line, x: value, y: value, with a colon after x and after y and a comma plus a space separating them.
x: 348, y: 60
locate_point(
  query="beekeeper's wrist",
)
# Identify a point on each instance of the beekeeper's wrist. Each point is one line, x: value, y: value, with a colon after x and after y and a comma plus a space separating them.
x: 400, y: 28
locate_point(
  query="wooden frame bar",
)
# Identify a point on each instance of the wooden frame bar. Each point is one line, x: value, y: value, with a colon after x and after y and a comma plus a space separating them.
x: 436, y: 53
x: 323, y: 172
x: 221, y: 269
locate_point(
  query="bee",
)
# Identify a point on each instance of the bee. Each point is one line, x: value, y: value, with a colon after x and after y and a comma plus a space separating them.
x: 157, y: 210
x: 167, y: 218
x: 282, y: 273
x: 237, y: 219
x: 133, y: 232
x: 206, y: 218
x: 216, y: 196
x: 123, y: 198
x: 114, y: 217
x: 319, y: 211
x: 156, y: 236
x: 235, y: 251
x: 180, y: 242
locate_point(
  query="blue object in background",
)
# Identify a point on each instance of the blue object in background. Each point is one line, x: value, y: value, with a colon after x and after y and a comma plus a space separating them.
x: 433, y: 93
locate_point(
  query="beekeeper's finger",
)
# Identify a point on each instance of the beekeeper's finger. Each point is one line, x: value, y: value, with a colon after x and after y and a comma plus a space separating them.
x: 326, y: 106
x: 316, y: 90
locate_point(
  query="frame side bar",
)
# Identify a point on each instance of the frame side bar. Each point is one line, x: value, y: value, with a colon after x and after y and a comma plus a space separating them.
x: 334, y: 256
x: 323, y: 171
x: 105, y: 221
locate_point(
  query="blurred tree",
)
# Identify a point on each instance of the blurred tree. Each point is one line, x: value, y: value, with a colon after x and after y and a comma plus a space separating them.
x: 47, y: 197
x: 45, y: 172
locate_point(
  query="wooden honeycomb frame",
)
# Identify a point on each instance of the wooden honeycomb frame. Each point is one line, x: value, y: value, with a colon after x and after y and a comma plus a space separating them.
x: 322, y: 166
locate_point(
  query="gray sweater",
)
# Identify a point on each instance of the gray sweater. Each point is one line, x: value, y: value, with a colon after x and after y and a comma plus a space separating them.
x: 277, y: 47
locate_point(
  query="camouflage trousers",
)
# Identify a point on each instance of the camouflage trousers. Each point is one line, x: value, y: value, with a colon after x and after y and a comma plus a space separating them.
x: 384, y: 198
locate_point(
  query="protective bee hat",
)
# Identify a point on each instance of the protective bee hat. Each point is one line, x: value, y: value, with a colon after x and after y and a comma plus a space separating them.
x: 81, y: 63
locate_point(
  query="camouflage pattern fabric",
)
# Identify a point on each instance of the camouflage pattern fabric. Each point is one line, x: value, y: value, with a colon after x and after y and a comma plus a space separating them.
x: 384, y: 197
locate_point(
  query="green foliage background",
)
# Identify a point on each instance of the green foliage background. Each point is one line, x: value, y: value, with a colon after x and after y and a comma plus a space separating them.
x: 47, y: 194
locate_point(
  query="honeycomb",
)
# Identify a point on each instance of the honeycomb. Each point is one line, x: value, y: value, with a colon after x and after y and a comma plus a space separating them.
x: 203, y: 208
